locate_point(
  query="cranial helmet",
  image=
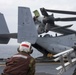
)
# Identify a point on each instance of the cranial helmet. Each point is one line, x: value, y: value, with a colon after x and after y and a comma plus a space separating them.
x: 26, y: 47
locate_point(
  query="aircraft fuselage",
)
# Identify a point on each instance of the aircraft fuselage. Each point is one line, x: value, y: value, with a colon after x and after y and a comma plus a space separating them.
x: 57, y: 44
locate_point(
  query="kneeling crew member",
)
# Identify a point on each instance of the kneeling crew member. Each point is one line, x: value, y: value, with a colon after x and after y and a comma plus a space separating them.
x: 21, y: 63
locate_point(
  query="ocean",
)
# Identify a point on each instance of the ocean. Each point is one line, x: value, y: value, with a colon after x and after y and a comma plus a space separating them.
x: 7, y: 51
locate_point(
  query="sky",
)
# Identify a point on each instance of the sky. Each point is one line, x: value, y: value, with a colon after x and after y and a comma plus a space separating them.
x: 10, y: 10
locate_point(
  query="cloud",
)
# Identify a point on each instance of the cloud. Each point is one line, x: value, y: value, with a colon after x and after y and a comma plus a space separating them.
x: 6, y: 1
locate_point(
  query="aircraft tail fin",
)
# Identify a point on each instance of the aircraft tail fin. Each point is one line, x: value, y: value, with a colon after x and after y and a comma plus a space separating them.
x: 26, y: 26
x: 3, y: 30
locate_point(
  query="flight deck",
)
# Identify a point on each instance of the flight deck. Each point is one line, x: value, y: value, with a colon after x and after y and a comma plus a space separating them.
x: 45, y: 68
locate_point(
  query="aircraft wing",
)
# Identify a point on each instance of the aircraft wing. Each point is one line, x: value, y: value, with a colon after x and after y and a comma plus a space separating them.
x: 10, y: 35
x: 4, y: 38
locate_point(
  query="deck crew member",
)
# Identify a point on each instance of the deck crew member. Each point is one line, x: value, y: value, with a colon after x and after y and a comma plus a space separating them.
x: 21, y: 63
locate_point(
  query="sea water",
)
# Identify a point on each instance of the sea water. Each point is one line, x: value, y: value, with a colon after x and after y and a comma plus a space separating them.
x: 7, y: 51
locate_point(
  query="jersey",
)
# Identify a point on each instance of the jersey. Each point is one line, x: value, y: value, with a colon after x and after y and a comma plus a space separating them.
x: 20, y: 64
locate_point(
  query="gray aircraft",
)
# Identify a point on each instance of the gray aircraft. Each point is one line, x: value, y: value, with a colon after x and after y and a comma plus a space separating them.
x: 31, y: 28
x: 47, y: 43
